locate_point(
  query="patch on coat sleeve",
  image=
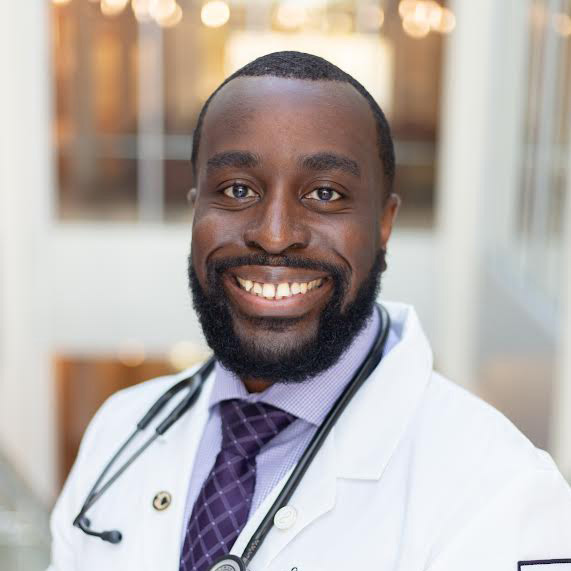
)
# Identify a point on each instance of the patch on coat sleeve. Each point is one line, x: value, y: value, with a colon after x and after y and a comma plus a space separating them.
x: 545, y: 565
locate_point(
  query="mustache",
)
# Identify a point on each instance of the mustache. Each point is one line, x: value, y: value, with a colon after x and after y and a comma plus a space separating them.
x: 339, y: 274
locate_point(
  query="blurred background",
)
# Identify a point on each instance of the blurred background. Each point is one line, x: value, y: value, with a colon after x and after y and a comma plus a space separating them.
x: 98, y: 101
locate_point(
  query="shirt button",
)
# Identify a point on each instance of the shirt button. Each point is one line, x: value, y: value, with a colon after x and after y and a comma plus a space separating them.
x: 285, y: 517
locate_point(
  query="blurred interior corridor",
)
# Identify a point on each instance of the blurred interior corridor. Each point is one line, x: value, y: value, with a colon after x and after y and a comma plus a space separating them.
x: 98, y: 102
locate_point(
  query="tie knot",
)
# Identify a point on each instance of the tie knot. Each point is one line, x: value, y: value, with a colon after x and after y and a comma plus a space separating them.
x: 247, y: 427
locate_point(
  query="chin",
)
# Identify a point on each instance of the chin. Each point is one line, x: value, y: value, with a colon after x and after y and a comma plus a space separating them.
x: 275, y: 336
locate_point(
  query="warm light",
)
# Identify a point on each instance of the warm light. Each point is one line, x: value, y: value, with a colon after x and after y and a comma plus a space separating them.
x: 61, y: 2
x: 141, y: 9
x: 407, y: 7
x: 131, y: 353
x: 421, y: 16
x: 172, y: 19
x: 113, y: 7
x: 446, y: 23
x: 162, y: 9
x: 371, y: 17
x: 291, y: 15
x: 562, y: 24
x: 185, y: 354
x: 215, y: 14
x: 435, y: 12
x: 416, y: 27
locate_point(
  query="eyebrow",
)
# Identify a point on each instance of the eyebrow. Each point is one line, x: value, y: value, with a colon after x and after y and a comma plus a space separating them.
x: 326, y: 161
x: 237, y: 159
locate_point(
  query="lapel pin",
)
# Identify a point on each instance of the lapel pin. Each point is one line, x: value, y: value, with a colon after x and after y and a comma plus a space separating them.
x: 162, y: 501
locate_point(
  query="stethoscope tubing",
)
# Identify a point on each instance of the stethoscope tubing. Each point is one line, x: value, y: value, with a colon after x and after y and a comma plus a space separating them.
x: 195, y: 384
x: 318, y: 439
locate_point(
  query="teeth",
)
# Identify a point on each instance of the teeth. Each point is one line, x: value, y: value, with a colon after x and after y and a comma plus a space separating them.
x: 269, y: 290
x: 283, y: 291
x: 280, y: 291
x: 246, y: 284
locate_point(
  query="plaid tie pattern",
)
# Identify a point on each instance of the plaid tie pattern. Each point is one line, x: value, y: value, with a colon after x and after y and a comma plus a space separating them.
x: 222, y: 507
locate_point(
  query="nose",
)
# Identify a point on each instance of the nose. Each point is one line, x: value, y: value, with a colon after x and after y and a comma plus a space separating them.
x: 277, y: 225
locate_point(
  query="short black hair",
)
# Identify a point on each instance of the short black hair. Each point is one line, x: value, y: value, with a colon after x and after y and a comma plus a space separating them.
x: 299, y: 65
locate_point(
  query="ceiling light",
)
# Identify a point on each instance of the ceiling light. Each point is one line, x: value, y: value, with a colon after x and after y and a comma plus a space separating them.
x: 113, y: 7
x: 162, y: 9
x: 416, y: 27
x: 172, y: 19
x: 141, y: 9
x: 407, y: 7
x: 291, y: 15
x: 446, y: 22
x: 215, y: 14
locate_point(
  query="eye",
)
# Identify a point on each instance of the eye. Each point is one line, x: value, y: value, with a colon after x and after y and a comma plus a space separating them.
x: 239, y: 191
x: 323, y: 194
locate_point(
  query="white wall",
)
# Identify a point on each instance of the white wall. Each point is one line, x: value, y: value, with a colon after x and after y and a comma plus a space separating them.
x: 26, y: 396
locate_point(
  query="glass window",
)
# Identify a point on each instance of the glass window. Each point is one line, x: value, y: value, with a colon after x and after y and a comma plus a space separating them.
x: 128, y: 91
x: 544, y: 155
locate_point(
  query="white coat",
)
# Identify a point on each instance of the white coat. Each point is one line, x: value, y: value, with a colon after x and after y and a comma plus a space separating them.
x: 417, y: 475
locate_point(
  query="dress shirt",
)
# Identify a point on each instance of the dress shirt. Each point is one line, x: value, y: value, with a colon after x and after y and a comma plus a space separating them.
x: 309, y: 401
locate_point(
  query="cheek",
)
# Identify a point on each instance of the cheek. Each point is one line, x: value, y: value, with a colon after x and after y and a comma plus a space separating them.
x: 357, y: 243
x: 208, y: 234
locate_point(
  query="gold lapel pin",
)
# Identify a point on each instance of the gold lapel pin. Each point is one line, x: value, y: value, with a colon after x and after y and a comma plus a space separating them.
x: 162, y: 501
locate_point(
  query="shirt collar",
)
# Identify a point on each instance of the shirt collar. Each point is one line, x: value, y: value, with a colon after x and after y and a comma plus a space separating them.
x: 311, y: 399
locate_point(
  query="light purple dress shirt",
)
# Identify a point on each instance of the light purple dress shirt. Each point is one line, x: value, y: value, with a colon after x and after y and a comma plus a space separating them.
x: 309, y: 401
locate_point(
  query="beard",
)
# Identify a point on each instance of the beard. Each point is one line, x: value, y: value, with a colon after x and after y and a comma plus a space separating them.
x: 337, y: 326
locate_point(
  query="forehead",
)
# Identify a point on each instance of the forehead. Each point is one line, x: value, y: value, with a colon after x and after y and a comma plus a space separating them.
x: 281, y: 119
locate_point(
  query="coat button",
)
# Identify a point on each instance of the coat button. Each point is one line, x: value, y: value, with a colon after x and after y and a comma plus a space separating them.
x: 162, y: 501
x: 285, y: 517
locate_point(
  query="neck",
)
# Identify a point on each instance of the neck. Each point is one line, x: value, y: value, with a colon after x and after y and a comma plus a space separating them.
x: 255, y: 385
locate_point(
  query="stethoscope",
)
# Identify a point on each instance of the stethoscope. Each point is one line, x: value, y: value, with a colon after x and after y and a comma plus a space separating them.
x: 194, y: 384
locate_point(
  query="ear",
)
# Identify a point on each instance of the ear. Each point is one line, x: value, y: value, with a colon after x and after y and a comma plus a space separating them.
x: 191, y: 195
x: 388, y: 216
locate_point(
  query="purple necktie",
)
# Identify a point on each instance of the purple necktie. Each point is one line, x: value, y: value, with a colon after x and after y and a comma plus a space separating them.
x: 221, y: 509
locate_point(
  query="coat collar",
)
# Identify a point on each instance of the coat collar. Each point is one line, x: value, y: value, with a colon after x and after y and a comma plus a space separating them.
x: 381, y: 410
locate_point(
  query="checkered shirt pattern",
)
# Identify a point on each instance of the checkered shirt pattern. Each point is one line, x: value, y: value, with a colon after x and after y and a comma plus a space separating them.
x: 223, y: 504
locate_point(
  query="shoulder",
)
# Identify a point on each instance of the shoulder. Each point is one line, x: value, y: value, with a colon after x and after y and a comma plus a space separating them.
x: 462, y: 421
x: 487, y: 478
x: 476, y: 447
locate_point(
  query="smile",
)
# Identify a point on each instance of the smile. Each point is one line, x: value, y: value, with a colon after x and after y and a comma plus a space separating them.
x: 277, y: 291
x: 274, y: 291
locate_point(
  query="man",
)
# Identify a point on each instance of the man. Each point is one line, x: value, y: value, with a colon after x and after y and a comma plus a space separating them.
x: 294, y: 167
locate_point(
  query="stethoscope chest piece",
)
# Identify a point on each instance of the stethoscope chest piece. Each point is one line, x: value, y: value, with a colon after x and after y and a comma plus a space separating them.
x: 228, y: 563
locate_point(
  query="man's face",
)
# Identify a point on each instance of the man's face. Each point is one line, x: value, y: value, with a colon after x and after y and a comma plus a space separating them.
x: 289, y: 213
